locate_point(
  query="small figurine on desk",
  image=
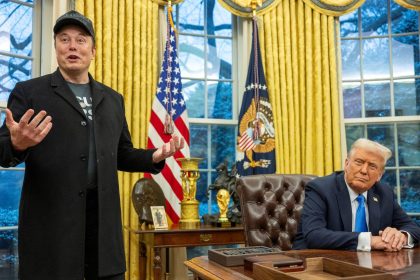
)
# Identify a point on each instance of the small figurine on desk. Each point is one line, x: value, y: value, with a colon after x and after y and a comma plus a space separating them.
x: 223, y: 199
x: 227, y: 181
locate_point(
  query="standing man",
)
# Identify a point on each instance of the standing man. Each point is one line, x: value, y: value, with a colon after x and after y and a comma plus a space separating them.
x: 72, y: 134
x: 353, y: 210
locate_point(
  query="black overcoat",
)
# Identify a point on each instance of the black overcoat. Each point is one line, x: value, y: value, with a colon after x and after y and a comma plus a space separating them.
x: 52, y: 206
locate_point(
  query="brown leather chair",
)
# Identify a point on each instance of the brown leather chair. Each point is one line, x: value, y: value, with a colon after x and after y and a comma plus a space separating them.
x: 271, y: 206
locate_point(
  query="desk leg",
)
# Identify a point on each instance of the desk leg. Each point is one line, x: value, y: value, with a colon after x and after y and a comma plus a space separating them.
x: 142, y: 261
x: 157, y: 264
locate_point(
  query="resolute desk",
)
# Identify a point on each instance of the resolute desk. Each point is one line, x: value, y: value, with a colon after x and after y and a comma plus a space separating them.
x: 402, y: 265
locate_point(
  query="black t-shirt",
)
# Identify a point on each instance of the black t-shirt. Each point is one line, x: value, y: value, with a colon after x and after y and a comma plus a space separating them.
x: 83, y: 95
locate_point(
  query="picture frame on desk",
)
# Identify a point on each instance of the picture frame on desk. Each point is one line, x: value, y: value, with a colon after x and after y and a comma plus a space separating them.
x: 159, y: 217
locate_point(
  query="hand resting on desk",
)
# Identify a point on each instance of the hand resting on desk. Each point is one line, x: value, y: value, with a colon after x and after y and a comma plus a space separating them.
x: 390, y: 240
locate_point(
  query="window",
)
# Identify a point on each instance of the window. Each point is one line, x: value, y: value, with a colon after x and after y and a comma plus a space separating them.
x: 206, y: 44
x: 381, y: 89
x: 16, y: 64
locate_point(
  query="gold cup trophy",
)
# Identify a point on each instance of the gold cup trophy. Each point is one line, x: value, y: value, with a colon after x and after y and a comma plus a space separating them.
x: 223, y: 199
x: 189, y: 205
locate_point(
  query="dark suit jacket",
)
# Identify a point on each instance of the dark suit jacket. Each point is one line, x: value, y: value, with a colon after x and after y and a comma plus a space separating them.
x: 326, y: 221
x: 52, y: 207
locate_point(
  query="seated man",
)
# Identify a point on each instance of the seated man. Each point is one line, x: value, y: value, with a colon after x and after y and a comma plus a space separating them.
x: 333, y: 217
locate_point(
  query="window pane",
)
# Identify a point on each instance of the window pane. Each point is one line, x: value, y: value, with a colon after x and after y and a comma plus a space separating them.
x: 219, y: 21
x: 348, y: 25
x: 223, y: 145
x: 202, y: 196
x: 198, y: 135
x: 10, y: 188
x: 375, y: 58
x: 12, y: 70
x: 405, y: 55
x: 403, y: 20
x: 374, y: 18
x: 410, y: 190
x: 191, y: 16
x: 406, y: 97
x: 8, y: 254
x: 352, y: 100
x: 193, y: 92
x: 191, y: 56
x: 15, y: 28
x: 219, y: 100
x: 377, y: 99
x: 409, y: 144
x: 350, y: 56
x: 354, y: 132
x: 383, y: 134
x: 2, y: 116
x: 219, y: 58
x: 390, y: 178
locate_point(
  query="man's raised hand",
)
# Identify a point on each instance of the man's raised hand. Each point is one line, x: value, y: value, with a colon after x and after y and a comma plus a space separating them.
x: 168, y: 149
x: 27, y: 133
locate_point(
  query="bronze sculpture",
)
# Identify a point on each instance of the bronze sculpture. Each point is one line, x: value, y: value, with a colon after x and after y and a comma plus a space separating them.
x: 146, y: 192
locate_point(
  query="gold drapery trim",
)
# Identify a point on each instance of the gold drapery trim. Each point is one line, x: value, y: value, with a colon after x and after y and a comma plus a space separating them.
x: 127, y: 60
x: 165, y: 2
x: 409, y: 4
x: 241, y: 7
x: 299, y: 53
x: 334, y: 7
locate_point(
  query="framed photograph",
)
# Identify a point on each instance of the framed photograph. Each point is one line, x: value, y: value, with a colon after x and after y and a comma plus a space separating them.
x: 159, y: 217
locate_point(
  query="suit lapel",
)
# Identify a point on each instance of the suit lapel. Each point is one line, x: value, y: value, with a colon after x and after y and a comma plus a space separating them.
x: 343, y: 200
x: 62, y: 89
x: 97, y: 93
x: 373, y: 201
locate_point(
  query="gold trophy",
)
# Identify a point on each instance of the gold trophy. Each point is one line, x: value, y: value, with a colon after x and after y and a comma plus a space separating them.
x: 223, y: 198
x: 189, y: 205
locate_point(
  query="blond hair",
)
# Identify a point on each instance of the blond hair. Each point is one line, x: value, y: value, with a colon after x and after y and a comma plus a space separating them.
x: 372, y: 146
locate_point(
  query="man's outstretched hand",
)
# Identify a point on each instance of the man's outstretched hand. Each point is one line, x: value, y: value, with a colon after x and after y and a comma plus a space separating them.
x: 168, y: 149
x: 27, y: 133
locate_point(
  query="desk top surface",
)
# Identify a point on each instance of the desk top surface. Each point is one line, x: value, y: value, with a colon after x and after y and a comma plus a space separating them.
x: 176, y: 228
x: 402, y: 265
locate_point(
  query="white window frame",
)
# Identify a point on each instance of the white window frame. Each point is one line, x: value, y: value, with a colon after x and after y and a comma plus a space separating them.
x: 239, y: 59
x: 364, y: 121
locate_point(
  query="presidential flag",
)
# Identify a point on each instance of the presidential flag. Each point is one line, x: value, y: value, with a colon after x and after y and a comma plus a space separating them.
x: 169, y: 115
x: 255, y: 141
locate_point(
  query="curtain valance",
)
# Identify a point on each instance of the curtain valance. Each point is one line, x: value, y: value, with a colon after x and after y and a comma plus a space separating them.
x: 327, y: 7
x: 243, y: 8
x: 409, y: 4
x: 334, y: 7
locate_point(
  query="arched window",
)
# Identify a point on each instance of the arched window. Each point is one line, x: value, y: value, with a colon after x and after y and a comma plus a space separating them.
x: 207, y: 61
x: 19, y: 61
x: 381, y: 89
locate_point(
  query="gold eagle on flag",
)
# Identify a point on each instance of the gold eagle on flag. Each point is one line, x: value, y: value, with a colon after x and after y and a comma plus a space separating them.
x: 266, y: 142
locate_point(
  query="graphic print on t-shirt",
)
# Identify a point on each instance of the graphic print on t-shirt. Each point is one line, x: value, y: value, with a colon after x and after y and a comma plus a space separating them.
x: 86, y: 104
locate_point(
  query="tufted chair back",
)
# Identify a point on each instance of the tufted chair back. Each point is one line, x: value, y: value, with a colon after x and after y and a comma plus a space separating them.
x: 271, y: 207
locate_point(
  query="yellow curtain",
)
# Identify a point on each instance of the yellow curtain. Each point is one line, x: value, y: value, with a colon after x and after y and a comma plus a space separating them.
x: 300, y: 61
x: 126, y: 60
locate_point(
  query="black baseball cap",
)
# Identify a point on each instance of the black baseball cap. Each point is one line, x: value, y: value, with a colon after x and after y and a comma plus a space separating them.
x: 75, y: 18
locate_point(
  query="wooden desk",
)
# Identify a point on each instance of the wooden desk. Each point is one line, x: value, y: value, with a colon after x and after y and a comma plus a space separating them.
x: 177, y: 237
x: 402, y: 265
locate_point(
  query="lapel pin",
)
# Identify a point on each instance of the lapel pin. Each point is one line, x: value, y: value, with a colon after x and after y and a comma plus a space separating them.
x: 375, y: 199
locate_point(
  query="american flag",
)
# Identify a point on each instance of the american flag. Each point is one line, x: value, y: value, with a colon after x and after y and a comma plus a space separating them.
x: 169, y: 104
